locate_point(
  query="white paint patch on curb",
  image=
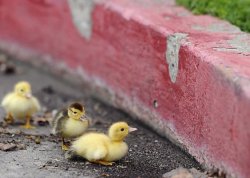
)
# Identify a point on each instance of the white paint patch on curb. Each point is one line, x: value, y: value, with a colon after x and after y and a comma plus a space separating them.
x: 81, y: 11
x: 172, y: 54
x: 217, y: 27
x: 241, y: 43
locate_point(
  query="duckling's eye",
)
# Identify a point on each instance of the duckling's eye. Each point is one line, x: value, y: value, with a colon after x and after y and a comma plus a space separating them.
x: 21, y: 90
x: 122, y: 129
x: 75, y: 112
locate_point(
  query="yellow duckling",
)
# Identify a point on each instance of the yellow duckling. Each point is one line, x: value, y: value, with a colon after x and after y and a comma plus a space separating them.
x: 20, y: 104
x: 70, y: 123
x: 101, y: 148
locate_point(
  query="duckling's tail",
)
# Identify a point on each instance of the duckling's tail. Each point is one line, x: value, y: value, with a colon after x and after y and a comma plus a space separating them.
x: 57, y: 117
x: 54, y: 112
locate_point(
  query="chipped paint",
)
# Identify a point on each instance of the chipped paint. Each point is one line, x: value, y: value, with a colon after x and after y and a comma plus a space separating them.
x: 217, y: 27
x: 172, y: 54
x: 241, y: 43
x: 155, y: 104
x: 238, y: 44
x: 81, y: 11
x: 184, y: 14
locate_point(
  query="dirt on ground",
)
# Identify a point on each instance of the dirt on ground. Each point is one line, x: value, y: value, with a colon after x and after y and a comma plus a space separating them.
x: 37, y: 153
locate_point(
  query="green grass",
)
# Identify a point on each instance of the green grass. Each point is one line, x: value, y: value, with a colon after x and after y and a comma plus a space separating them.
x: 235, y: 11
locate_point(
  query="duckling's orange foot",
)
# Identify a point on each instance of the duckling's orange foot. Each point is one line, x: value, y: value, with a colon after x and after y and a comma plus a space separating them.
x: 9, y: 119
x: 28, y: 126
x: 105, y: 163
x: 65, y: 147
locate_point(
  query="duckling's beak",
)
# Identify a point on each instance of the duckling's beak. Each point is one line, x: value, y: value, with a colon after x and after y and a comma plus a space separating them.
x: 83, y: 118
x: 131, y: 129
x: 28, y: 95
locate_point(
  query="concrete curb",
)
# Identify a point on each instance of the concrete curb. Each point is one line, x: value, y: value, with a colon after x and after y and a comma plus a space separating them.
x: 186, y: 76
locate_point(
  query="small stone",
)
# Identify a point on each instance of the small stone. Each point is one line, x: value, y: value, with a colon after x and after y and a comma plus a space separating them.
x: 178, y: 173
x: 7, y: 146
x: 9, y: 69
x: 21, y: 147
x: 37, y: 140
x: 185, y: 173
x: 49, y: 162
x: 122, y: 167
x: 105, y: 175
x: 198, y: 174
x: 10, y: 131
x: 97, y: 107
x: 98, y: 122
x: 49, y: 90
x: 42, y: 121
x: 42, y: 166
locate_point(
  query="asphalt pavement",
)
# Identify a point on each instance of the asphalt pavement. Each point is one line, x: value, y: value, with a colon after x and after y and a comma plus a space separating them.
x: 36, y: 153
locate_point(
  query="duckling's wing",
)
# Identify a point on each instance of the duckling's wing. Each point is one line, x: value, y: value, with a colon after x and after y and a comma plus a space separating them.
x: 98, y: 152
x: 36, y: 104
x: 92, y: 146
x: 58, y: 122
x: 6, y: 100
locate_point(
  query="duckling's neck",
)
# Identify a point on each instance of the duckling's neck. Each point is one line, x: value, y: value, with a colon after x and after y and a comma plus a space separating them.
x: 20, y: 96
x: 115, y: 139
x: 72, y: 119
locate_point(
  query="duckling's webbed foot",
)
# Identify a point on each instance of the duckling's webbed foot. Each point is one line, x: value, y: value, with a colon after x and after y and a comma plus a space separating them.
x: 65, y: 147
x: 28, y: 125
x: 105, y: 163
x: 9, y: 119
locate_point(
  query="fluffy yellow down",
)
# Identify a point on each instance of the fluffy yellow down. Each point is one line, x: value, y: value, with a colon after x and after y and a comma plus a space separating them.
x: 97, y: 146
x: 101, y: 148
x: 74, y: 128
x: 20, y: 106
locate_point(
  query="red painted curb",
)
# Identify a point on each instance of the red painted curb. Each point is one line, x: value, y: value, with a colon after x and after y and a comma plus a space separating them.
x: 198, y: 97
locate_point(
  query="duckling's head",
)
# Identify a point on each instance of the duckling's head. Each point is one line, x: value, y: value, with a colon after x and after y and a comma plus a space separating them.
x: 23, y: 89
x: 119, y: 130
x: 76, y: 111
